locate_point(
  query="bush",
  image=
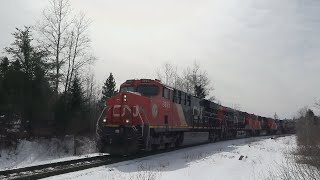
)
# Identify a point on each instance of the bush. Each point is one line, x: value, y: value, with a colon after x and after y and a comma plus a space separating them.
x: 308, y: 139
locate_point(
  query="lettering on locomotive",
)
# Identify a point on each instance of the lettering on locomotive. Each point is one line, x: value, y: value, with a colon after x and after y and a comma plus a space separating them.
x: 125, y: 109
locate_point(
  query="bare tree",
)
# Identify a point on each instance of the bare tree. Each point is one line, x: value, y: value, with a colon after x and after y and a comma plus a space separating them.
x: 302, y: 112
x: 179, y: 82
x: 317, y: 104
x: 168, y: 74
x: 194, y: 77
x: 53, y: 31
x: 236, y: 106
x: 66, y: 38
x: 78, y: 54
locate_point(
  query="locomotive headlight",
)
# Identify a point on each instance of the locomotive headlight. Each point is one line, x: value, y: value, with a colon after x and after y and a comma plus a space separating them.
x: 104, y: 120
x: 125, y: 98
x: 127, y: 121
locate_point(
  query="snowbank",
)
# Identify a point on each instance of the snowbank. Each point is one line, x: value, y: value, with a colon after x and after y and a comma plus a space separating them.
x: 41, y: 151
x: 260, y: 157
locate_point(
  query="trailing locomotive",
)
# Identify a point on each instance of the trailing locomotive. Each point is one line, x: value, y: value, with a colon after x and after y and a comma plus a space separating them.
x: 147, y: 115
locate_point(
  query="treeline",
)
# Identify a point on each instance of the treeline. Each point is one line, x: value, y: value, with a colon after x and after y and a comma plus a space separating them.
x: 46, y: 88
x: 28, y: 102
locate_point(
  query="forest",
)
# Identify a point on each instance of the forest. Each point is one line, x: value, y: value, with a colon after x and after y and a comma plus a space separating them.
x: 45, y: 87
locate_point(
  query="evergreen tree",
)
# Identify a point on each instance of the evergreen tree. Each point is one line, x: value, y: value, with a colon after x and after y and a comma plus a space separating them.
x: 80, y: 123
x: 22, y: 50
x: 77, y: 97
x: 4, y: 67
x: 62, y: 113
x: 108, y: 89
x: 25, y: 83
x: 199, y: 91
x: 70, y: 109
x: 41, y: 99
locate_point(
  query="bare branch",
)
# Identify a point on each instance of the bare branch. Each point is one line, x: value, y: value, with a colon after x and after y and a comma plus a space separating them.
x: 190, y: 78
x: 168, y: 74
x: 317, y: 104
x: 66, y: 37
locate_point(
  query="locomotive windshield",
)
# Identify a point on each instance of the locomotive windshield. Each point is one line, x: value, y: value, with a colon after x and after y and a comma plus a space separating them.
x: 147, y: 90
x: 127, y: 88
x: 144, y: 90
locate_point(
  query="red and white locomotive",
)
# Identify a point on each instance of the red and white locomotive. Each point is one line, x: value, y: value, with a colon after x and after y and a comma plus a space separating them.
x: 147, y: 114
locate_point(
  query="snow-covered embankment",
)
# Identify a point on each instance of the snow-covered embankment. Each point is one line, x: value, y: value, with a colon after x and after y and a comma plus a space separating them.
x: 261, y: 157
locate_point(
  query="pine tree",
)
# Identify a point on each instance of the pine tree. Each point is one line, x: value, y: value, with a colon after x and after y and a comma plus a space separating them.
x: 77, y: 98
x: 25, y: 82
x: 70, y: 108
x: 108, y: 89
x: 4, y: 67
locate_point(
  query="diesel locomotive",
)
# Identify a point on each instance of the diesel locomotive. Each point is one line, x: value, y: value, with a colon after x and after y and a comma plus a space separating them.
x: 147, y: 115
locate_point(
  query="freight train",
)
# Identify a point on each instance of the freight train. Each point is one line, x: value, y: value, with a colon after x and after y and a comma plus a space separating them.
x: 147, y: 115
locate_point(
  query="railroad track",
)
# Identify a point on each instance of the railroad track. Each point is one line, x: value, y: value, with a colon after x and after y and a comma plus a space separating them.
x: 53, y: 169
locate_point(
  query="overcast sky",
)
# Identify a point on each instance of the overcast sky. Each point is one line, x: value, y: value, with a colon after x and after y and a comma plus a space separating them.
x: 261, y: 54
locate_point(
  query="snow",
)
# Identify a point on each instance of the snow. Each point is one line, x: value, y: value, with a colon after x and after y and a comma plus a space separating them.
x: 43, y: 151
x: 261, y: 158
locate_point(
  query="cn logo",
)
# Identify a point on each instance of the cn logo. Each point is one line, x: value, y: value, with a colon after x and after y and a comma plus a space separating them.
x: 125, y: 110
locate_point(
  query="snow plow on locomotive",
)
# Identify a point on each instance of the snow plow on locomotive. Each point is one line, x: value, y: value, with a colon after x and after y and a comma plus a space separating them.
x: 147, y: 115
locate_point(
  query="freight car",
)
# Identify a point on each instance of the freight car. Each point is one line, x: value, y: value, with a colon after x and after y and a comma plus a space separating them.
x: 147, y: 114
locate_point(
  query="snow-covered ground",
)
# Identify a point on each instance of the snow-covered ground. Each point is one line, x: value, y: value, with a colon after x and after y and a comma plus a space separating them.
x: 262, y: 158
x: 43, y: 151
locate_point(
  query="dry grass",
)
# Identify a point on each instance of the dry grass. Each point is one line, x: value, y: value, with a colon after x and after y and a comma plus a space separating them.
x: 308, y: 140
x: 304, y: 162
x: 144, y: 171
x: 290, y: 170
x: 196, y: 156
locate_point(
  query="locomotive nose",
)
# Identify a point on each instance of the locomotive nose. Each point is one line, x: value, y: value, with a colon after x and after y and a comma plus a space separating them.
x: 124, y: 108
